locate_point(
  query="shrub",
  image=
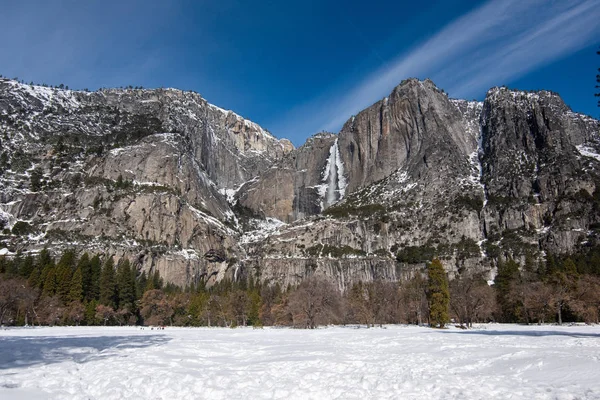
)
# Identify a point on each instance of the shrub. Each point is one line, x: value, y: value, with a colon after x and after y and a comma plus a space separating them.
x: 22, y: 228
x: 467, y: 248
x: 415, y: 254
x: 469, y: 203
x: 347, y: 209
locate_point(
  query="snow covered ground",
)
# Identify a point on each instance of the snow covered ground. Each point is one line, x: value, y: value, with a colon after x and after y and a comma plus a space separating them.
x: 489, y: 362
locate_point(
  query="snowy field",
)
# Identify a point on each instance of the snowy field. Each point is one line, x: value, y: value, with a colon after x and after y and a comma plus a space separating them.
x: 491, y: 361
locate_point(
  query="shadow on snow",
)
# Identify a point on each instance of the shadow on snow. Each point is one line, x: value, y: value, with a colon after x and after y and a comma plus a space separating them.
x: 530, y: 333
x: 25, y: 351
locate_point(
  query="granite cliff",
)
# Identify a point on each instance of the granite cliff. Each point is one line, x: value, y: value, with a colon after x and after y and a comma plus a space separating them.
x: 199, y: 193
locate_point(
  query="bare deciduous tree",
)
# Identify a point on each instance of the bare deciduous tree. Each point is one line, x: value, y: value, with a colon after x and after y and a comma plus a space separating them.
x: 586, y: 299
x: 537, y: 299
x: 563, y: 284
x: 155, y: 308
x: 8, y: 300
x: 471, y: 299
x: 51, y: 310
x: 414, y: 294
x: 214, y: 311
x: 315, y: 302
x: 357, y: 302
x: 76, y: 312
x: 26, y: 301
x: 105, y: 313
x: 281, y: 311
x: 238, y: 307
x: 270, y: 295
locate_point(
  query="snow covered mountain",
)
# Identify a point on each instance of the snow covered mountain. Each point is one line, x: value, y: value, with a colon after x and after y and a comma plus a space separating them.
x: 197, y: 192
x: 141, y: 173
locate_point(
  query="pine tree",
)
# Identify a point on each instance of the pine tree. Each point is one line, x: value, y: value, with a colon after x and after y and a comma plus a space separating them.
x: 50, y: 283
x: 76, y: 292
x: 93, y: 293
x: 157, y: 280
x: 126, y: 286
x: 140, y: 285
x: 45, y: 259
x: 438, y: 294
x: 68, y: 259
x: 43, y: 276
x: 90, y: 313
x: 530, y: 267
x: 154, y: 282
x: 27, y: 266
x: 133, y: 278
x: 34, y: 278
x: 4, y: 264
x: 507, y: 276
x: 85, y: 266
x: 63, y: 281
x: 149, y: 284
x: 12, y: 268
x: 254, y: 307
x: 551, y: 265
x: 570, y: 268
x: 107, y: 284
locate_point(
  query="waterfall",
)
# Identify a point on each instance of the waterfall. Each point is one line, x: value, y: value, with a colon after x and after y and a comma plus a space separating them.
x: 333, y: 187
x: 480, y: 154
x: 480, y: 166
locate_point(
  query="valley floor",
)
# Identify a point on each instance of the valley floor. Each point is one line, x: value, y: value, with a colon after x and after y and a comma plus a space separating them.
x: 490, y: 361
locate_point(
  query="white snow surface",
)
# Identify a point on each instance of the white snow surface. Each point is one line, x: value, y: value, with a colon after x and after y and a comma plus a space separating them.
x: 398, y: 362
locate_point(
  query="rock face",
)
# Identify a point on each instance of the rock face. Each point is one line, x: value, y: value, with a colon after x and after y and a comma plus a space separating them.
x: 140, y: 173
x: 297, y: 186
x: 198, y: 193
x: 416, y: 128
x: 539, y: 168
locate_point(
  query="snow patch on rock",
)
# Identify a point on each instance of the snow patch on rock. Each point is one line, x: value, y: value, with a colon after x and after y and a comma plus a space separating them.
x: 587, y: 151
x: 262, y: 229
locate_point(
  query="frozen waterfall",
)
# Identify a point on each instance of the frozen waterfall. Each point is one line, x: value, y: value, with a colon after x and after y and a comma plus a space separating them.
x: 333, y: 187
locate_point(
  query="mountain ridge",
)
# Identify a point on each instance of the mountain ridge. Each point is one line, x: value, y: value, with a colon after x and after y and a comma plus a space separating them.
x: 415, y: 170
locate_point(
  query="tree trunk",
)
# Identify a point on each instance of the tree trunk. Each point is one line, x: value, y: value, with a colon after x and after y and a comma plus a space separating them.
x: 36, y: 316
x: 560, y: 313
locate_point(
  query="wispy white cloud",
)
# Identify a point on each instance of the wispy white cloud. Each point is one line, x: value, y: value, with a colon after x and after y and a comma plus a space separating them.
x: 499, y: 41
x: 563, y: 31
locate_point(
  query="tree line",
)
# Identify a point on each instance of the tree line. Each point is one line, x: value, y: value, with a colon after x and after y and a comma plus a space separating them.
x: 92, y: 290
x: 63, y: 86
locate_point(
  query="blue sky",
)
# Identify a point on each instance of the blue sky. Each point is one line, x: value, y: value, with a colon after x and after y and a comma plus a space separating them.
x: 298, y: 67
